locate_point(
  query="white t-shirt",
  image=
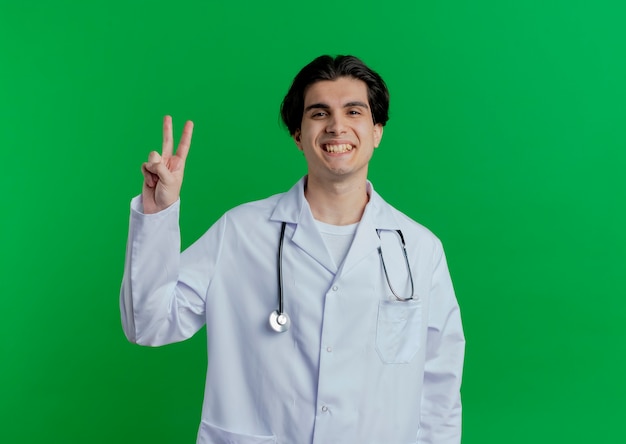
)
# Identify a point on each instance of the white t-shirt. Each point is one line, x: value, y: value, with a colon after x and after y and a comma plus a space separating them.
x: 337, y: 238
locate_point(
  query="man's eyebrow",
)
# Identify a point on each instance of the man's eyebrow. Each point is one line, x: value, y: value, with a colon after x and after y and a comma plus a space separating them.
x: 325, y: 106
x: 316, y: 106
x: 357, y: 103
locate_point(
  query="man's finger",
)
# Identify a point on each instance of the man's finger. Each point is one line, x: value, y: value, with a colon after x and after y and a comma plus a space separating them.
x: 185, y: 141
x: 157, y: 166
x: 154, y: 157
x: 168, y: 138
x: 149, y: 178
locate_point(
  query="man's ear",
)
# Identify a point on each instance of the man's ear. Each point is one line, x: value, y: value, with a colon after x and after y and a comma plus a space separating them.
x: 296, y: 138
x: 378, y: 134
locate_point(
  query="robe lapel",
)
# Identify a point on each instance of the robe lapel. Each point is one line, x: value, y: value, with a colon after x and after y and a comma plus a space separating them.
x: 308, y: 238
x: 377, y: 215
x: 293, y: 208
x: 364, y: 243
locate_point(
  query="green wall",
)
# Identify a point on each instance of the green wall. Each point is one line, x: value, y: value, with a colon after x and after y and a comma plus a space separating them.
x: 506, y: 139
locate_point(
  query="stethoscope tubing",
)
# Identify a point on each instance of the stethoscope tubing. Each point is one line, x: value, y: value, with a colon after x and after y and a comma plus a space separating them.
x: 279, y: 320
x: 280, y: 268
x: 408, y: 267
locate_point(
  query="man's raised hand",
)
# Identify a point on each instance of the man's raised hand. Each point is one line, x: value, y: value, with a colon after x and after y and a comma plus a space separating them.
x: 163, y: 173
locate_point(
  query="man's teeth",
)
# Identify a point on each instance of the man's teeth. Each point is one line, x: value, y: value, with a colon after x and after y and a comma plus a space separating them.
x: 341, y: 148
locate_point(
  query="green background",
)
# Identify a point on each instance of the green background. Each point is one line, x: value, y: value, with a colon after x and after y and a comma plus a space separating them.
x: 506, y: 139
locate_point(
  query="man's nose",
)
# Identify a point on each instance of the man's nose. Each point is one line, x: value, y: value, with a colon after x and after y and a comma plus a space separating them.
x: 336, y: 124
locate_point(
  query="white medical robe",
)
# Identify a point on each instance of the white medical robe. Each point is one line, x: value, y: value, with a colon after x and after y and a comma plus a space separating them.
x: 356, y: 366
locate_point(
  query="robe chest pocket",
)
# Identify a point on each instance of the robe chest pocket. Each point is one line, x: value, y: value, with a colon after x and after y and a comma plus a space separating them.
x: 399, y: 330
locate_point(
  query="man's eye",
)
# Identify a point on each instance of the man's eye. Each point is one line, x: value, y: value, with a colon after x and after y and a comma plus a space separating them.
x: 354, y: 112
x: 319, y: 114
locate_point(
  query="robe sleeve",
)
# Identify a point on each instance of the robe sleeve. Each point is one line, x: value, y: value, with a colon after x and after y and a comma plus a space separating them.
x: 162, y: 297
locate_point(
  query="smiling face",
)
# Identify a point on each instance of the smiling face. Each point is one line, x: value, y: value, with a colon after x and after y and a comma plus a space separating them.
x: 337, y: 134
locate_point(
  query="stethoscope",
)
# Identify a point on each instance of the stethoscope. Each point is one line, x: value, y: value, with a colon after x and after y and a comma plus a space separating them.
x: 279, y: 320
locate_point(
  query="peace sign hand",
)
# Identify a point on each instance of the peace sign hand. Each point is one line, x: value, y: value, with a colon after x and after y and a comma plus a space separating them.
x: 163, y: 174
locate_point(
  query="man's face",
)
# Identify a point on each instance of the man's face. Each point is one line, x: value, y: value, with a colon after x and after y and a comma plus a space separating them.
x: 337, y: 134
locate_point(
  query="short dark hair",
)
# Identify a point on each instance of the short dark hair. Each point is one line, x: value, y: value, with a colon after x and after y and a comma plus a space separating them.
x: 328, y: 68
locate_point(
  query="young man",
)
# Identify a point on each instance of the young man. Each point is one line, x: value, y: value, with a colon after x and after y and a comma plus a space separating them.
x: 330, y: 315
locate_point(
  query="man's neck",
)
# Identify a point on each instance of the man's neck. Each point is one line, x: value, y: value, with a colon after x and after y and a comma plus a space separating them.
x: 337, y: 203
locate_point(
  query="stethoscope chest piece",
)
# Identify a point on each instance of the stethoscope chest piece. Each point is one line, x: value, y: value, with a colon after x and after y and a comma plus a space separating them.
x: 279, y: 322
